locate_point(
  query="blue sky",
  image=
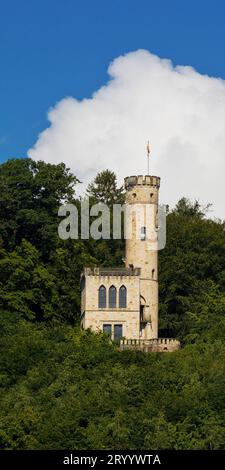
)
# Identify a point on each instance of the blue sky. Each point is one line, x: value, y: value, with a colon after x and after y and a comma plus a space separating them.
x: 52, y: 49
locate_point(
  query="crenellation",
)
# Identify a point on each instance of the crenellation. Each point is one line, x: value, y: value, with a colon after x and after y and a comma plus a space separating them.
x: 141, y: 180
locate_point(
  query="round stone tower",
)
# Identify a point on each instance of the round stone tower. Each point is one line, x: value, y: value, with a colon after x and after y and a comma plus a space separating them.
x: 141, y: 227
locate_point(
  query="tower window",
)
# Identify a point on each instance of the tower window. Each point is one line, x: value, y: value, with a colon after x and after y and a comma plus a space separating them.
x: 102, y: 297
x: 107, y: 329
x: 118, y: 332
x: 123, y: 297
x: 141, y: 313
x: 143, y: 233
x: 156, y: 219
x: 153, y: 274
x: 82, y: 283
x: 112, y: 297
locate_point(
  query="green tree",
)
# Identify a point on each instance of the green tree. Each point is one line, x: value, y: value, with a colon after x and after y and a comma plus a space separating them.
x: 104, y: 189
x: 26, y: 285
x: 30, y: 195
x: 194, y: 252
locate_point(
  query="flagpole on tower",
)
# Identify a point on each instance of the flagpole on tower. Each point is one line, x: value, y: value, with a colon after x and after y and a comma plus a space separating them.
x: 148, y: 154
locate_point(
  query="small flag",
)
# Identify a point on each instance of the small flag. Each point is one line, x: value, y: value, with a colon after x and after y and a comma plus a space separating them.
x: 148, y: 149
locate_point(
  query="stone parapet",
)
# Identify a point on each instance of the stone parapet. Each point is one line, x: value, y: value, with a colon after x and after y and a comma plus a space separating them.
x: 112, y: 271
x: 141, y: 180
x: 151, y: 345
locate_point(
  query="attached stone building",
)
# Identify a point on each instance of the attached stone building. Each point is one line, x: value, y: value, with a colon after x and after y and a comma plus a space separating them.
x: 123, y: 302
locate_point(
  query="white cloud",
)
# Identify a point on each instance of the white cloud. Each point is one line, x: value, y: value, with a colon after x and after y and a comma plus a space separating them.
x: 180, y: 111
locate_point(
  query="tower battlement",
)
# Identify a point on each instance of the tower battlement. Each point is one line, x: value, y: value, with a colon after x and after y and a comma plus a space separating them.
x: 141, y: 180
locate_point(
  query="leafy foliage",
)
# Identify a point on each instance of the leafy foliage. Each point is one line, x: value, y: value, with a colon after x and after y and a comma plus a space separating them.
x: 104, y: 189
x: 63, y: 388
x: 30, y: 195
x: 192, y: 261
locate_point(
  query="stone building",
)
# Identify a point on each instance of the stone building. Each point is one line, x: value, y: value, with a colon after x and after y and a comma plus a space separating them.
x: 123, y: 302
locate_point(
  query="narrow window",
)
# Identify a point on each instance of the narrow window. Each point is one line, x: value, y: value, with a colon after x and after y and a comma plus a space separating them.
x: 102, y: 297
x: 156, y: 219
x: 123, y: 297
x: 141, y: 313
x: 107, y: 329
x: 118, y: 332
x: 143, y: 233
x: 82, y: 284
x: 112, y: 297
x: 153, y: 274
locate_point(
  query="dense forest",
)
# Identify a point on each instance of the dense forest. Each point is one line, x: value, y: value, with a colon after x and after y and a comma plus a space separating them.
x: 65, y: 388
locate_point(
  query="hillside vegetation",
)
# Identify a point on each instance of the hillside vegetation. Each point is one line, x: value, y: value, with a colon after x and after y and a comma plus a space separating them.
x: 62, y: 388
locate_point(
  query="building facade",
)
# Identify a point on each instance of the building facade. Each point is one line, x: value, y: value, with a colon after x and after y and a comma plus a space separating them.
x: 123, y: 302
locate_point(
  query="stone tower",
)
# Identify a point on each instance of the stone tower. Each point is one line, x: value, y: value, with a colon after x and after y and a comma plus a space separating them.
x: 141, y: 246
x: 122, y: 301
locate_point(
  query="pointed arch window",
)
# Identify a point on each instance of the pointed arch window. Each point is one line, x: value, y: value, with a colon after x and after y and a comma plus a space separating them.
x: 102, y: 297
x: 112, y: 297
x: 123, y: 297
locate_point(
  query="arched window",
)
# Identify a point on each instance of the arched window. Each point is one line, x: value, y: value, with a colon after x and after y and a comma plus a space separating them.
x: 123, y: 297
x: 102, y: 297
x: 112, y: 297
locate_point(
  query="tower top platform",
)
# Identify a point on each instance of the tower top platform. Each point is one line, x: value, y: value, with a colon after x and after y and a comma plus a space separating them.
x: 141, y: 180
